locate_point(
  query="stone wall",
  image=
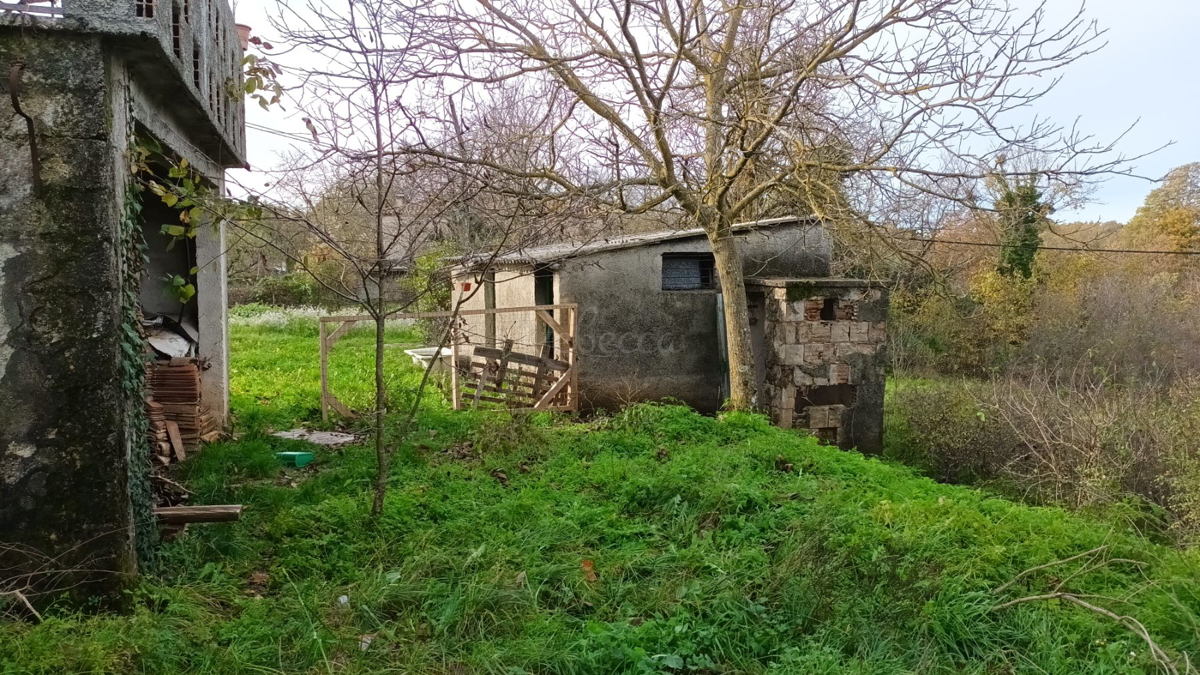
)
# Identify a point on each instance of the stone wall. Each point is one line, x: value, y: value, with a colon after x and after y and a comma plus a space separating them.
x: 64, y: 469
x: 74, y: 496
x: 822, y: 360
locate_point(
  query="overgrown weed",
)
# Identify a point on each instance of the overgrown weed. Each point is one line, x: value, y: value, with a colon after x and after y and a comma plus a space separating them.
x: 657, y: 541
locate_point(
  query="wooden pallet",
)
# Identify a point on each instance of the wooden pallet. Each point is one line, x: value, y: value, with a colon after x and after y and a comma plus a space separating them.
x: 513, y: 379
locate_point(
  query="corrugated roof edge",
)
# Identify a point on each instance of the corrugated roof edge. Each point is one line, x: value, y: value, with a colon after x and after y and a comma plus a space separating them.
x: 555, y: 252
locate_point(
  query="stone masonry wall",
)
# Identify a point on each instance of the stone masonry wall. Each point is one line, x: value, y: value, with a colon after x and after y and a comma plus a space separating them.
x: 825, y: 358
x: 64, y: 468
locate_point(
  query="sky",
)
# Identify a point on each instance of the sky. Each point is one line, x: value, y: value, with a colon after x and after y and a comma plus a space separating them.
x: 1147, y: 78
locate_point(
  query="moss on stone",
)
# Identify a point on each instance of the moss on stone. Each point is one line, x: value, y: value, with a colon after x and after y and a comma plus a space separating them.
x: 801, y: 290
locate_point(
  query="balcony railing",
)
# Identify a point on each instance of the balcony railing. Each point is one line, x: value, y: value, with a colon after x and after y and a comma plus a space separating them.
x: 51, y: 9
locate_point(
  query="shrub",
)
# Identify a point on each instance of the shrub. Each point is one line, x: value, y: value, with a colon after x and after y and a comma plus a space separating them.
x: 1081, y: 440
x: 292, y: 289
x: 947, y: 428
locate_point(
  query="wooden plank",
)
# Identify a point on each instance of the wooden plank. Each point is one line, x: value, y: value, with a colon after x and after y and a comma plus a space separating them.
x: 553, y: 391
x: 176, y: 440
x: 539, y: 376
x: 522, y: 388
x: 503, y: 368
x: 495, y: 399
x: 455, y: 404
x: 178, y: 515
x: 549, y: 408
x: 341, y: 408
x: 449, y: 314
x: 339, y: 332
x: 491, y: 388
x: 521, y: 372
x: 556, y: 327
x: 573, y: 394
x: 324, y: 372
x: 483, y: 373
x: 523, y: 359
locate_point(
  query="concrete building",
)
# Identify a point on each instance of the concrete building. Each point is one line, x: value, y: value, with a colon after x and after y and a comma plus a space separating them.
x: 651, y: 323
x: 87, y: 77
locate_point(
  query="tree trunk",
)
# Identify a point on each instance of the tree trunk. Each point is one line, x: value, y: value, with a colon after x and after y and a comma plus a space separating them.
x: 728, y: 261
x: 382, y: 456
x: 383, y: 464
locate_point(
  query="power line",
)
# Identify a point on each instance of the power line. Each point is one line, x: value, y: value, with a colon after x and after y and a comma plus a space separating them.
x: 300, y: 137
x: 1050, y: 248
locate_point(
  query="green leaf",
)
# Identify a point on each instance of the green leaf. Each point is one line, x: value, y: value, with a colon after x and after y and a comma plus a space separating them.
x: 194, y: 270
x: 170, y: 199
x: 174, y: 230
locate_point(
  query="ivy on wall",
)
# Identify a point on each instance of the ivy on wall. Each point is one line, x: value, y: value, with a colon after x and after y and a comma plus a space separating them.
x: 133, y: 252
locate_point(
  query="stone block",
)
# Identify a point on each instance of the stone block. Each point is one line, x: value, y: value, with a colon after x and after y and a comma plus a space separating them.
x: 840, y: 331
x: 860, y: 331
x: 819, y: 332
x: 792, y: 354
x: 812, y: 309
x: 878, y: 332
x: 801, y: 378
x: 846, y: 311
x: 825, y: 416
x: 800, y: 331
x: 818, y: 354
x: 840, y: 373
x: 784, y: 417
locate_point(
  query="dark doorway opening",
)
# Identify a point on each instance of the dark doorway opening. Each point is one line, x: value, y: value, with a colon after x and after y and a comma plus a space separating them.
x: 543, y: 294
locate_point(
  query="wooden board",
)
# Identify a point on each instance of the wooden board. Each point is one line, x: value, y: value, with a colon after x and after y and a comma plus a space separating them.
x: 176, y: 440
x: 176, y: 515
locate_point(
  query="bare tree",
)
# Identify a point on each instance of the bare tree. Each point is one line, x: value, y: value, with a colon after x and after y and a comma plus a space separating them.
x: 357, y: 205
x: 723, y: 110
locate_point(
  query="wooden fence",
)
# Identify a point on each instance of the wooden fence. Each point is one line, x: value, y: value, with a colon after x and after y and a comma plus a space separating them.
x: 528, y: 363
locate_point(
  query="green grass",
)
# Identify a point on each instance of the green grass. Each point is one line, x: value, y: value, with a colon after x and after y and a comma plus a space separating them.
x: 709, y: 555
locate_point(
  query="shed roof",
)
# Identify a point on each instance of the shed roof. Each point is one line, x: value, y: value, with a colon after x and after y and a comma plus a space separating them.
x: 564, y: 250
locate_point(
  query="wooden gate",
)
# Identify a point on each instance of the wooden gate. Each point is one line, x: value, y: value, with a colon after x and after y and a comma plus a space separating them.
x: 535, y: 369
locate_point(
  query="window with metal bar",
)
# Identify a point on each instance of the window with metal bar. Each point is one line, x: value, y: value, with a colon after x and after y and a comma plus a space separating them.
x: 688, y: 272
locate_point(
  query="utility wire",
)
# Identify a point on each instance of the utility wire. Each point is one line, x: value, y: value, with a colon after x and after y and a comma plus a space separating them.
x: 1049, y: 248
x: 300, y: 137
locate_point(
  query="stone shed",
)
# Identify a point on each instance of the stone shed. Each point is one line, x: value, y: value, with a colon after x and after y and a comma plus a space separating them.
x: 651, y: 323
x: 81, y: 265
x: 820, y: 356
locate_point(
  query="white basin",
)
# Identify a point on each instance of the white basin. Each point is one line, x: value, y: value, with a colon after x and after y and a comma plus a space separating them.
x: 421, y: 356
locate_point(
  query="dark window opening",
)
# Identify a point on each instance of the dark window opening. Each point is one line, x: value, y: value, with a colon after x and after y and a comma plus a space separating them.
x: 144, y: 9
x: 829, y: 310
x: 187, y: 11
x: 176, y: 41
x: 833, y: 394
x: 688, y: 272
x: 196, y: 74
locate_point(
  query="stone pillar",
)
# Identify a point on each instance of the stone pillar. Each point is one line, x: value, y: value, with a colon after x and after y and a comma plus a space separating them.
x: 64, y: 446
x: 213, y: 309
x: 825, y: 358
